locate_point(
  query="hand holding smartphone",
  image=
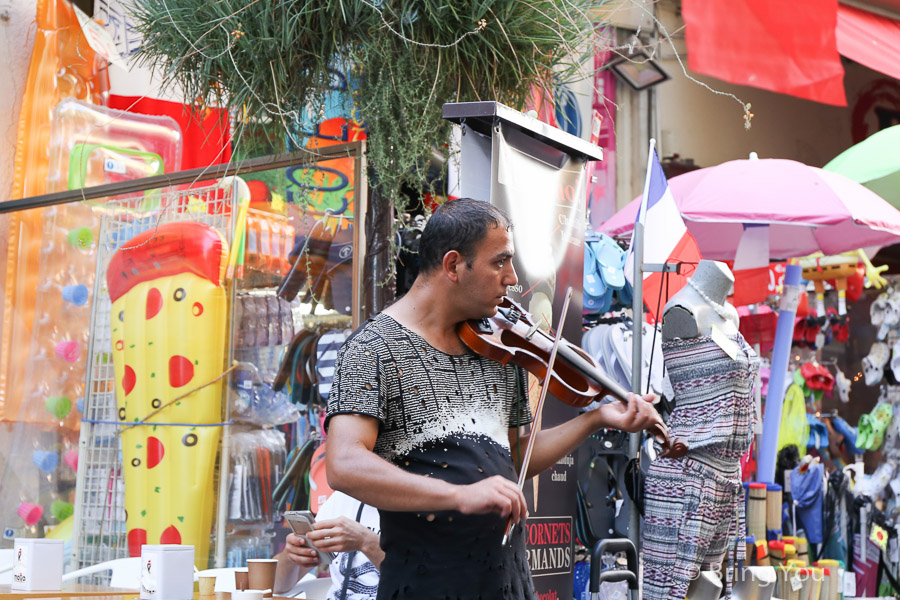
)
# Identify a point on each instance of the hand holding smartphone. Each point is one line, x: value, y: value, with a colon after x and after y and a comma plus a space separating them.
x: 301, y: 522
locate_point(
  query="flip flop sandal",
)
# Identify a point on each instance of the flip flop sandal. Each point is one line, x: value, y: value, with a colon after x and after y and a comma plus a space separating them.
x: 892, y: 439
x: 875, y: 484
x: 840, y: 328
x: 881, y: 419
x: 799, y: 337
x: 625, y: 296
x: 891, y: 316
x: 843, y: 386
x: 892, y: 311
x: 620, y: 341
x: 895, y: 361
x: 621, y: 372
x: 850, y: 435
x: 813, y: 327
x: 611, y: 261
x: 876, y: 311
x: 864, y: 433
x: 872, y: 372
x: 873, y: 363
x: 818, y: 433
x: 602, y: 351
x: 594, y: 289
x: 592, y: 342
x: 838, y: 324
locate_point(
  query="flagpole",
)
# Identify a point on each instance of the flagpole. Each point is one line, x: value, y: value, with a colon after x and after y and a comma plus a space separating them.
x: 637, y: 307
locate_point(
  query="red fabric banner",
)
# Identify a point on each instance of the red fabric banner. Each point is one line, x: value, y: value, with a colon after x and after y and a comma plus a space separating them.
x: 785, y: 47
x: 869, y: 39
x: 752, y: 286
x: 205, y: 133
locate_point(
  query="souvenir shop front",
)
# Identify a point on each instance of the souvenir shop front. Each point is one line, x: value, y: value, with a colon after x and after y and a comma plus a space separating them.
x: 804, y: 509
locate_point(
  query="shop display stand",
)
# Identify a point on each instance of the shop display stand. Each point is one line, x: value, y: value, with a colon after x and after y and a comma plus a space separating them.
x: 99, y: 526
x: 127, y: 208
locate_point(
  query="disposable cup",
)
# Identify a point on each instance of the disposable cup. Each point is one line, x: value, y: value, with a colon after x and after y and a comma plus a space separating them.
x: 76, y: 294
x: 30, y: 513
x: 241, y: 580
x: 45, y: 460
x: 262, y: 574
x: 207, y: 585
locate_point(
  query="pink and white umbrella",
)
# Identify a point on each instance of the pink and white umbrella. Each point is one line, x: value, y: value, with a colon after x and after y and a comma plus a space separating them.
x: 802, y: 210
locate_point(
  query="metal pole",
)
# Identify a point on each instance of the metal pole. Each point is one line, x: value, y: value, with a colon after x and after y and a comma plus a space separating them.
x: 637, y: 306
x: 277, y: 161
x: 219, y: 557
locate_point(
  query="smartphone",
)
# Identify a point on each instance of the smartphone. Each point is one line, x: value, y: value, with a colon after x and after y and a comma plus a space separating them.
x: 301, y: 522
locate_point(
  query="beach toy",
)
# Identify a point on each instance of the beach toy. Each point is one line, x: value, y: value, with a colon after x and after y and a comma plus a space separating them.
x: 69, y: 351
x: 45, y: 461
x: 166, y: 282
x: 76, y: 294
x: 30, y: 513
x: 62, y: 64
x: 59, y: 406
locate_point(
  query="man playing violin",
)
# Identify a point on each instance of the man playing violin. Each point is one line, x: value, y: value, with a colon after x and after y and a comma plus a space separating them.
x: 421, y: 427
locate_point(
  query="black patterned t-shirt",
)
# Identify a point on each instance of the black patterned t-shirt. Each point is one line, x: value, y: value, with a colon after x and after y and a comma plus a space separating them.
x: 444, y: 416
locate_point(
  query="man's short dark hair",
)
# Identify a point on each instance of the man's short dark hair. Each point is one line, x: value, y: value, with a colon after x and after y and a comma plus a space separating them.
x: 458, y: 225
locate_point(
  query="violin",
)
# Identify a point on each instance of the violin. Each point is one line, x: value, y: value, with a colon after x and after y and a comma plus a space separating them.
x: 511, y: 335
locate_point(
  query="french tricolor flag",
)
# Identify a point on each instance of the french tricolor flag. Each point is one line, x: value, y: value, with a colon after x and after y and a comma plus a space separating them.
x: 666, y: 239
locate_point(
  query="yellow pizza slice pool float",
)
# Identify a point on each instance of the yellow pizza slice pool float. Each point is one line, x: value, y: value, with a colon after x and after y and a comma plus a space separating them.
x: 168, y: 325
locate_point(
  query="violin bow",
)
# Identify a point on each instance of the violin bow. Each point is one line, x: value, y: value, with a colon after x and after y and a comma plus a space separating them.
x: 545, y: 385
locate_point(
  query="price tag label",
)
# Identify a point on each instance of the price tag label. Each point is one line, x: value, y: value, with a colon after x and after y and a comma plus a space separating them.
x: 99, y: 39
x: 796, y: 583
x: 724, y: 342
x: 790, y: 298
x: 111, y: 165
x: 849, y: 584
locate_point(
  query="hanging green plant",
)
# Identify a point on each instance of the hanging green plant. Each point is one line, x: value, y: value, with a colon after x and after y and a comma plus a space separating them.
x: 273, y: 61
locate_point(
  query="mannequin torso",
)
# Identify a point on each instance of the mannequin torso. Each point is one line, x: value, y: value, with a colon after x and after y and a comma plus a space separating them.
x: 694, y: 310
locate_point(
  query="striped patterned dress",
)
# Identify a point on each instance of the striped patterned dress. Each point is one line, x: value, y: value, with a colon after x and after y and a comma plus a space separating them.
x: 694, y: 506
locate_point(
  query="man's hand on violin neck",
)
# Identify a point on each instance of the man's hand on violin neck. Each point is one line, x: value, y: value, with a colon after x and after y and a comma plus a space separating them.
x: 492, y: 495
x: 636, y: 415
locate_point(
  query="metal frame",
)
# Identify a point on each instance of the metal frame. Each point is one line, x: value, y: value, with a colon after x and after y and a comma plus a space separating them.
x: 111, y: 497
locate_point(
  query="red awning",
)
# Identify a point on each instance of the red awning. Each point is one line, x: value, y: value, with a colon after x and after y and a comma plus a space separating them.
x: 869, y: 39
x: 787, y: 47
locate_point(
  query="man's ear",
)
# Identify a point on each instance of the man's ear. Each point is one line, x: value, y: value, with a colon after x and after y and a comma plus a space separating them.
x: 451, y: 265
